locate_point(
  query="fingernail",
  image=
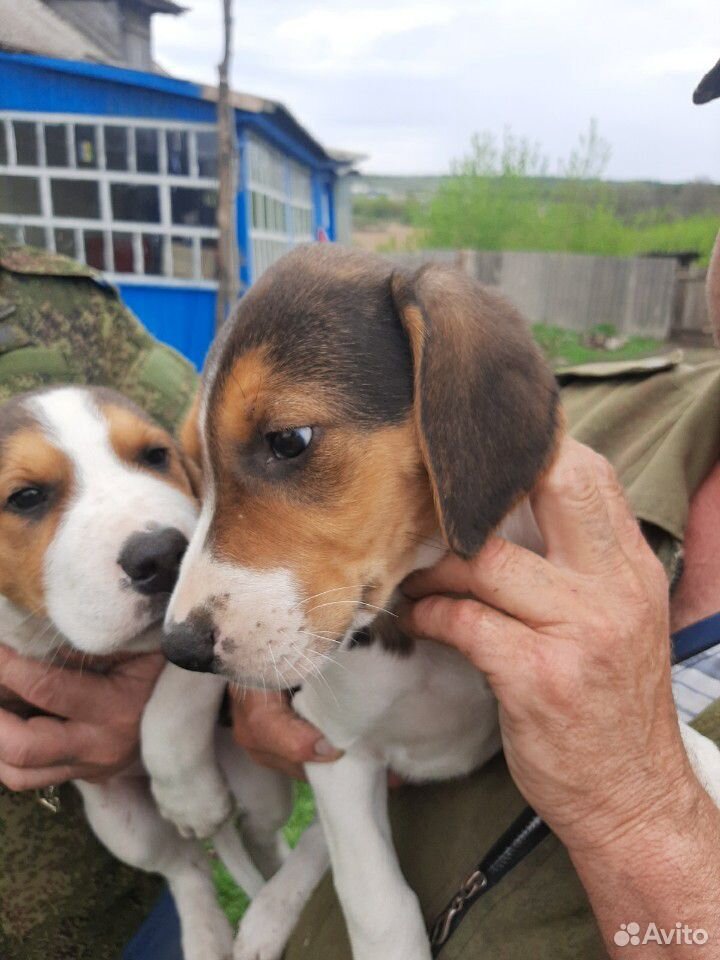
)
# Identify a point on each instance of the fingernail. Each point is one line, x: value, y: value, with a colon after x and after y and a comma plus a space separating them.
x: 324, y: 749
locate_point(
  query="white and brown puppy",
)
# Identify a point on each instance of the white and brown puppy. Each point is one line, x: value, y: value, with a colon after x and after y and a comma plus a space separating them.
x: 97, y: 510
x: 355, y: 423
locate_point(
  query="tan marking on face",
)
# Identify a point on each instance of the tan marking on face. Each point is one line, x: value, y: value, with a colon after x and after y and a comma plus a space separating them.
x: 350, y: 517
x: 29, y: 459
x: 130, y: 434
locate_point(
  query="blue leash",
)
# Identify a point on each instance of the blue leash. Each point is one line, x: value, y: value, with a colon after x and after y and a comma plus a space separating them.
x: 528, y: 830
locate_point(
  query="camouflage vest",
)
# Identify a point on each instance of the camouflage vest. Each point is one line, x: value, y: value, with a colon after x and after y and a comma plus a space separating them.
x: 62, y: 895
x: 658, y: 421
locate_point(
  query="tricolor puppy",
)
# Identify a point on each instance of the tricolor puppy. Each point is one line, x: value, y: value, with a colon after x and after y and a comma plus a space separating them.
x: 354, y: 423
x: 97, y: 511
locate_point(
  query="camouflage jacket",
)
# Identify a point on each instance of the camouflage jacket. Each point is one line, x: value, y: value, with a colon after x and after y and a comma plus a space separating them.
x: 62, y: 895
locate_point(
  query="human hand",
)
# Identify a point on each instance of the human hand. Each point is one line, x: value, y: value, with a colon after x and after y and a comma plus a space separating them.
x: 267, y: 727
x: 575, y: 646
x: 94, y: 729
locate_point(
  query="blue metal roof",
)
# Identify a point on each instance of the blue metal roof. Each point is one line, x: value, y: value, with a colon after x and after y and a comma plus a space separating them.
x: 118, y: 91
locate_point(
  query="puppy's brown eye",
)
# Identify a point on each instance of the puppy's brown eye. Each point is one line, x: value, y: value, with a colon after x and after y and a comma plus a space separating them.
x: 155, y: 457
x: 27, y: 500
x: 288, y: 444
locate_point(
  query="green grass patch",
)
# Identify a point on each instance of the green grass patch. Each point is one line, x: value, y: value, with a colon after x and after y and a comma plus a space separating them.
x: 567, y: 347
x: 232, y: 899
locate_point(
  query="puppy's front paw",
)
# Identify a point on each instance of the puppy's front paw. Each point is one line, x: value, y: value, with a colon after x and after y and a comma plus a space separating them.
x: 264, y: 930
x: 198, y: 806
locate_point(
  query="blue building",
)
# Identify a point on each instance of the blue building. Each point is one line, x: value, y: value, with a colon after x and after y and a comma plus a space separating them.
x: 117, y: 167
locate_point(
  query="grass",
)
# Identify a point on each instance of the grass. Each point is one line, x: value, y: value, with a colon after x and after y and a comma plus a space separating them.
x: 567, y: 347
x: 232, y: 899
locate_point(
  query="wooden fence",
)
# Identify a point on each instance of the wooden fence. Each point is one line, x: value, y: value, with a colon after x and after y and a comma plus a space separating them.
x: 638, y: 296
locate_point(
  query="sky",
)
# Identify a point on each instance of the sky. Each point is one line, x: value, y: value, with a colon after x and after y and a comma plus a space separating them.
x: 407, y: 82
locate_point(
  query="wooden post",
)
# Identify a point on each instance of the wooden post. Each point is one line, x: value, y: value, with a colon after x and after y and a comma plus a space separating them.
x: 228, y: 259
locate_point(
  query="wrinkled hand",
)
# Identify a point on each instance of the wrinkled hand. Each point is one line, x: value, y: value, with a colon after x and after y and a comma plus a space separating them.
x: 95, y: 728
x: 274, y: 736
x: 575, y: 646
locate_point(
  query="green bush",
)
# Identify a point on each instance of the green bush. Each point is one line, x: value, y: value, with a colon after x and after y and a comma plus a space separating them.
x: 501, y: 198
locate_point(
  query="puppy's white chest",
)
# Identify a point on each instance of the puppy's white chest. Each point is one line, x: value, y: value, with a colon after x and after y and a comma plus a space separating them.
x: 427, y: 715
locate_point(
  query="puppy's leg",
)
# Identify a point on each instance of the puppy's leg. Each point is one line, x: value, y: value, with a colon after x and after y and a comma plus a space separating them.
x: 178, y: 747
x: 273, y: 914
x: 382, y: 913
x: 705, y: 760
x: 233, y: 853
x: 264, y: 800
x: 124, y: 817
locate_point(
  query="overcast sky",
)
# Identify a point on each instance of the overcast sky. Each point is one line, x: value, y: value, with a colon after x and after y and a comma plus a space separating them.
x: 407, y: 82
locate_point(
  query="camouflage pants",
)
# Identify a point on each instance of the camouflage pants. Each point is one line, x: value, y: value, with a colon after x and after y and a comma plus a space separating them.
x: 62, y: 895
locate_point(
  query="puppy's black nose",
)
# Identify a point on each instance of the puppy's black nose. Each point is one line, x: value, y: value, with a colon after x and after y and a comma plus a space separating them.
x: 152, y: 559
x: 190, y: 645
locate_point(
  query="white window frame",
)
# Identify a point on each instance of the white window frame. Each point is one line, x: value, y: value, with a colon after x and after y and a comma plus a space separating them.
x: 105, y: 224
x: 274, y: 175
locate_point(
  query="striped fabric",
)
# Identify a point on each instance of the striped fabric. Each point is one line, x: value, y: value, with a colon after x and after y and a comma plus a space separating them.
x: 696, y: 683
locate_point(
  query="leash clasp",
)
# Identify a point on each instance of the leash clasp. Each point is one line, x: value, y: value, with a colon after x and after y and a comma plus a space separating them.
x: 445, y: 923
x: 49, y: 799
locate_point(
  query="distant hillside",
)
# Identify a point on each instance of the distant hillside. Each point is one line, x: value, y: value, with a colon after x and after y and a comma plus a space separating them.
x: 630, y: 198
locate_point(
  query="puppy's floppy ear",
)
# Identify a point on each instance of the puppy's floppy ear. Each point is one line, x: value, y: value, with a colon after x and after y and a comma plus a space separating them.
x: 486, y: 404
x: 189, y: 444
x: 709, y: 87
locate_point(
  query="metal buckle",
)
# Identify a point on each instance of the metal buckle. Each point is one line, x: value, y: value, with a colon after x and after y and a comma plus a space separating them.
x: 443, y: 926
x: 49, y: 799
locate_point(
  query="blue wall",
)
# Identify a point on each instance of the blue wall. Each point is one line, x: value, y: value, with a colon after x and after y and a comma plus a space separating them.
x: 182, y: 317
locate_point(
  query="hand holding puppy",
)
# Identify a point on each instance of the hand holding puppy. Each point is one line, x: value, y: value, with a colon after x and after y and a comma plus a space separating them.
x: 92, y: 730
x: 575, y: 646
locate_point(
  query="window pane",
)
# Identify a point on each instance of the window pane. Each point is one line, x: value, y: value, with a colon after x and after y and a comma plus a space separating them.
x: 10, y: 232
x: 116, y: 148
x: 192, y: 207
x: 182, y: 256
x: 208, y: 258
x: 146, y: 147
x: 258, y: 211
x: 65, y: 242
x: 56, y: 150
x: 153, y: 253
x: 207, y: 153
x: 3, y: 144
x: 79, y: 199
x: 94, y: 249
x: 26, y: 143
x: 19, y: 195
x: 35, y: 236
x: 86, y: 146
x: 177, y: 151
x: 137, y: 204
x: 122, y: 244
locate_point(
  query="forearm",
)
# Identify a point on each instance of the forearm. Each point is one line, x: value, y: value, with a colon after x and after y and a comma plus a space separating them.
x: 665, y: 878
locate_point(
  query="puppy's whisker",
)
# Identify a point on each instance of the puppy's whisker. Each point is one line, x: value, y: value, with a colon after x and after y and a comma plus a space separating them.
x: 274, y: 663
x: 297, y: 672
x: 317, y: 636
x: 355, y: 586
x: 318, y: 673
x: 357, y: 603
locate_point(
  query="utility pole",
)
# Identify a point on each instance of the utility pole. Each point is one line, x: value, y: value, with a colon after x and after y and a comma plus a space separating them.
x: 228, y: 257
